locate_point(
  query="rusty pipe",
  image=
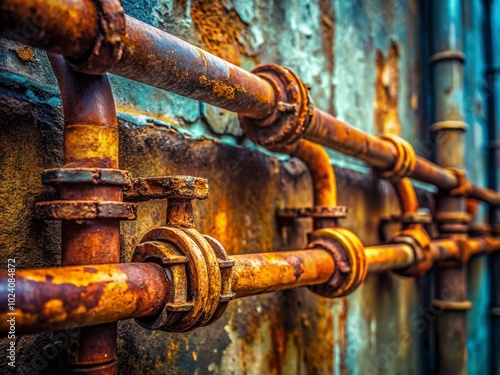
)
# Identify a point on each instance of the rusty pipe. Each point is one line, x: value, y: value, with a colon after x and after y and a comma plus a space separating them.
x: 90, y: 141
x: 71, y: 28
x: 389, y: 257
x: 79, y: 296
x: 268, y: 272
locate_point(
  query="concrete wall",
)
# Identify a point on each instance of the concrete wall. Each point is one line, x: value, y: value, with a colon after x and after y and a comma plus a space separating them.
x: 363, y: 60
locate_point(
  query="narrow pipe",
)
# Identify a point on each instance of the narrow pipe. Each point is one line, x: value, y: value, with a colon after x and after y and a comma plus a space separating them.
x: 79, y: 296
x: 90, y: 141
x: 268, y: 272
x: 69, y: 28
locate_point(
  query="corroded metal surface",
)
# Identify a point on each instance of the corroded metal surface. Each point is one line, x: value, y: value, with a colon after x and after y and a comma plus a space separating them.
x: 78, y: 296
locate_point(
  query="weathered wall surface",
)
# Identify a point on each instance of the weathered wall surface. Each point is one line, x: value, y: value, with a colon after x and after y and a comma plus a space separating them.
x: 363, y: 61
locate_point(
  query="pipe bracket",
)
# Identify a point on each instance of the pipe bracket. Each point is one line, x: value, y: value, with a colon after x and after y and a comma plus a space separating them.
x: 348, y: 253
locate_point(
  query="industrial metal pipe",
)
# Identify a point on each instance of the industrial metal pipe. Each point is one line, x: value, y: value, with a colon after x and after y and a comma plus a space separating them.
x: 86, y: 295
x: 447, y: 66
x: 147, y: 53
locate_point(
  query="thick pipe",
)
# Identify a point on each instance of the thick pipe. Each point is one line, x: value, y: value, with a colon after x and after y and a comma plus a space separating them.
x: 90, y: 141
x: 447, y: 66
x: 69, y: 28
x: 493, y: 63
x: 269, y: 272
x: 80, y: 296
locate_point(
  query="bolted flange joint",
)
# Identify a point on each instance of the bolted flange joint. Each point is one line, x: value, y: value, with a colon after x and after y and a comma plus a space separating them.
x: 419, y: 240
x: 292, y: 114
x: 348, y: 253
x: 197, y: 266
x: 70, y: 209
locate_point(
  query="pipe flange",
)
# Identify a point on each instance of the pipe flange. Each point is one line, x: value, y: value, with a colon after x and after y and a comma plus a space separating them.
x: 463, y: 185
x: 405, y: 162
x: 197, y: 274
x: 109, y: 42
x: 294, y: 108
x: 452, y: 305
x: 420, y: 241
x: 452, y: 222
x: 174, y: 265
x: 479, y: 229
x: 166, y: 187
x: 214, y: 278
x: 93, y: 176
x: 202, y: 291
x: 85, y: 210
x: 226, y: 270
x: 348, y: 253
x: 449, y: 125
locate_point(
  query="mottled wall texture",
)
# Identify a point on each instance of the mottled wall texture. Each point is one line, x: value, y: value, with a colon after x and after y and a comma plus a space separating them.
x: 366, y: 62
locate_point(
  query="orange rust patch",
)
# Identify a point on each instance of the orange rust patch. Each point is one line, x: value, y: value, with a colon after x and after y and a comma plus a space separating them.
x: 26, y: 54
x: 219, y: 30
x: 387, y: 91
x: 219, y: 89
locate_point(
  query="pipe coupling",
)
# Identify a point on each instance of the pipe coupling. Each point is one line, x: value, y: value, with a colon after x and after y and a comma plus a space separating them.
x: 108, y: 46
x: 284, y: 127
x: 420, y: 241
x: 200, y: 274
x: 348, y: 253
x: 463, y: 187
x: 406, y: 159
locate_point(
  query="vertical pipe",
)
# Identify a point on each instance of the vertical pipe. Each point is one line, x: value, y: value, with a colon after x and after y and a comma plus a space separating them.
x: 493, y: 71
x: 90, y: 141
x: 447, y: 67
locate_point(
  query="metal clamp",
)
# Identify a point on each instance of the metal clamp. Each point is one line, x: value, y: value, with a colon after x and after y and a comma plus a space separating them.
x: 348, y: 253
x: 463, y: 185
x: 405, y: 162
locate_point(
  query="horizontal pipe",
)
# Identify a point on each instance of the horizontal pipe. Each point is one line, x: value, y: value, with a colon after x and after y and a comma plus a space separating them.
x: 68, y: 297
x: 389, y: 257
x: 78, y: 296
x: 156, y: 58
x: 269, y: 272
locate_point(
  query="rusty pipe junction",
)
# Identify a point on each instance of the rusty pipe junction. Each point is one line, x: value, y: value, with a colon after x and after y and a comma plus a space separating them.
x: 138, y: 51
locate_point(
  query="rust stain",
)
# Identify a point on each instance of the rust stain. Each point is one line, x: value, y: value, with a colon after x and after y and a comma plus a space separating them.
x: 218, y: 88
x: 219, y: 30
x: 387, y: 85
x: 26, y: 54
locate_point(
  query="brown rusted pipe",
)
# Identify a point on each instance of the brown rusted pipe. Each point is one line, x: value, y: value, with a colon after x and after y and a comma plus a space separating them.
x: 389, y: 257
x: 159, y: 59
x: 90, y: 141
x: 80, y: 296
x: 268, y: 272
x: 322, y: 172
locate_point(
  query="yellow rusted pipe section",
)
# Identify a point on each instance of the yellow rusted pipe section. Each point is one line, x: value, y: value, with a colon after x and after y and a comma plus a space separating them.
x: 389, y: 257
